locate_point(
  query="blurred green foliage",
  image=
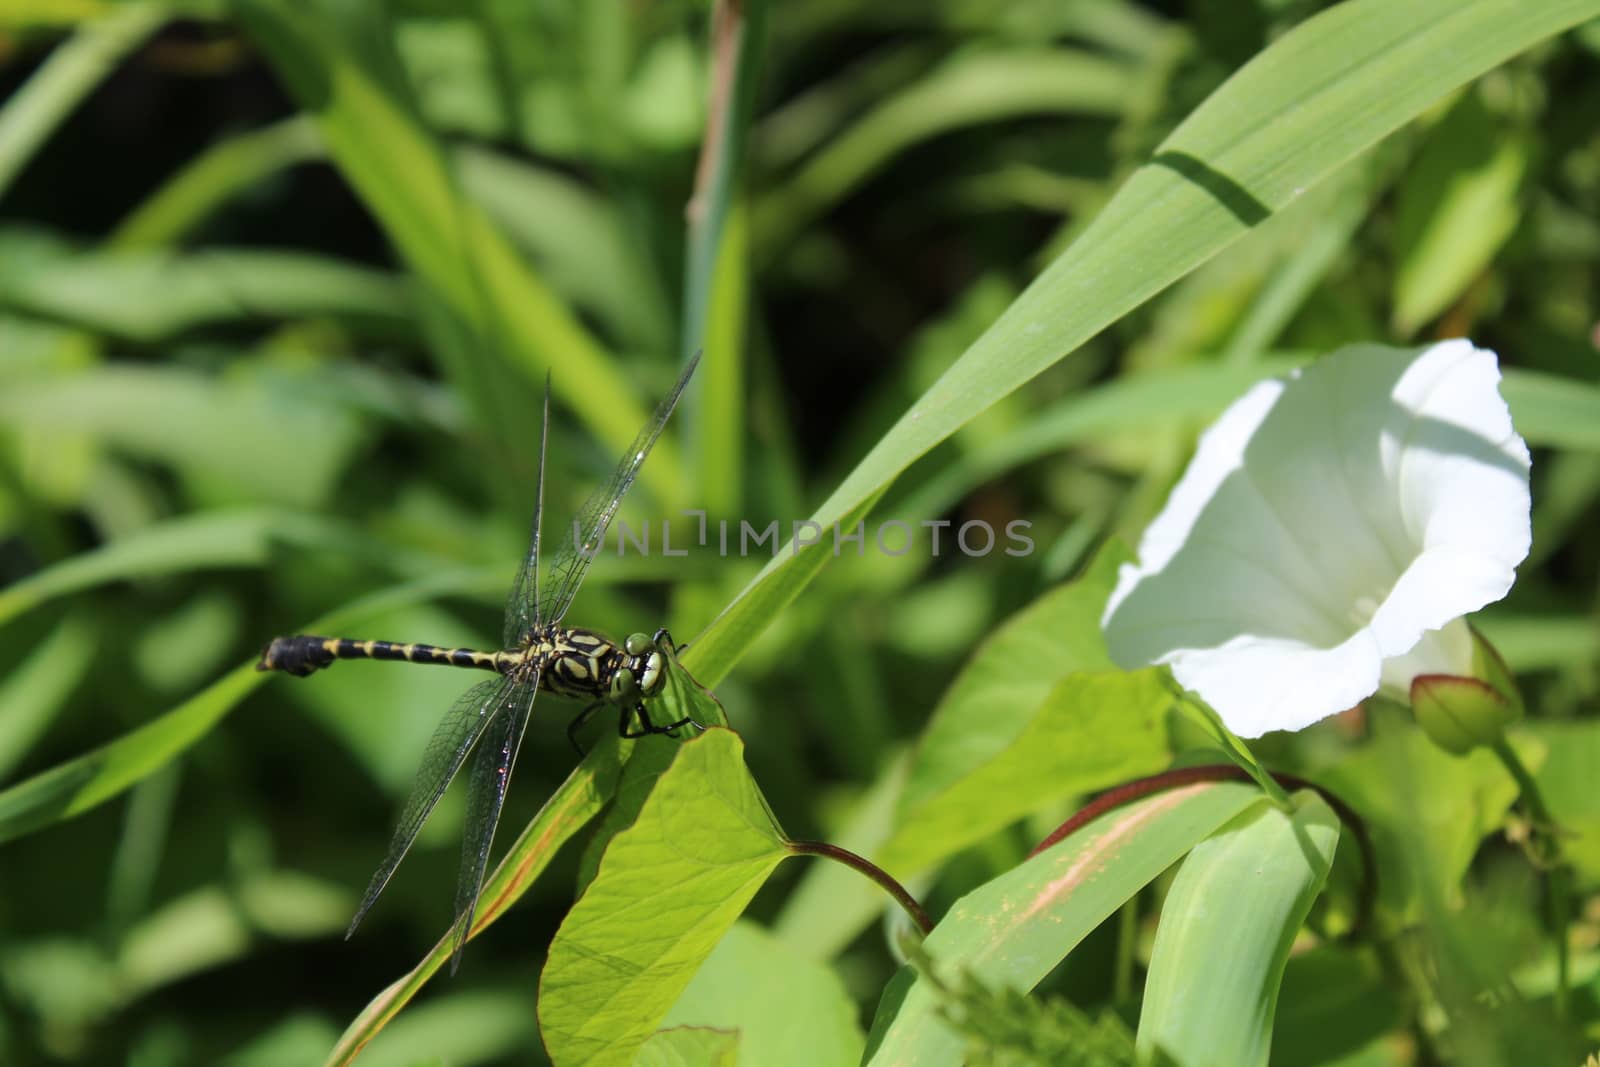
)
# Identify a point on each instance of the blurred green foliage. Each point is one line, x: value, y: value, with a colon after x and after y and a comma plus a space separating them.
x: 279, y: 286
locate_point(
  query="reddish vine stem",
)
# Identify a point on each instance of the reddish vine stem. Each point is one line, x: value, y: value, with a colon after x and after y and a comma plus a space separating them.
x: 1225, y: 772
x: 901, y: 895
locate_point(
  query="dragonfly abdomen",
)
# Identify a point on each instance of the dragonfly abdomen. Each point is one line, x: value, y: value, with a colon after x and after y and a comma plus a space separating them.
x: 303, y: 654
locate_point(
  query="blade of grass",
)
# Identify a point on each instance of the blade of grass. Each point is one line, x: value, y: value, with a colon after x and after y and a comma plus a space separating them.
x: 79, y: 784
x: 1013, y: 930
x: 212, y: 178
x: 716, y: 278
x: 383, y: 149
x: 1317, y: 96
x: 73, y: 70
x: 1227, y: 925
x: 968, y: 90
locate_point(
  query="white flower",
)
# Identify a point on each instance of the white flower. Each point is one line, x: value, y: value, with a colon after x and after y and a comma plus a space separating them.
x: 1329, y: 535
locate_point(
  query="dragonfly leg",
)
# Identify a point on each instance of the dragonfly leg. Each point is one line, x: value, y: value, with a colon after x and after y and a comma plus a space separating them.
x: 664, y: 638
x: 646, y: 727
x: 577, y: 724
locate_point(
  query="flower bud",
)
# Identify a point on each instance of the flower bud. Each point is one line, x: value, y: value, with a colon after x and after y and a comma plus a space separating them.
x: 1458, y: 714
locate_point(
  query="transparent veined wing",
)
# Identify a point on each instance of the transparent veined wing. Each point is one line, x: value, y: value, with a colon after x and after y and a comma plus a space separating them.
x: 565, y: 572
x: 467, y: 721
x: 486, y: 795
x: 522, y: 603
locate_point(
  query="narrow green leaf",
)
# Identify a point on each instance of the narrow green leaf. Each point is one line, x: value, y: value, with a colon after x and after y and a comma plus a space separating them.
x: 38, y: 687
x: 717, y: 259
x: 213, y: 429
x: 77, y: 785
x: 668, y: 889
x: 579, y: 240
x: 244, y: 538
x: 1013, y: 930
x: 713, y: 653
x: 1316, y: 97
x: 972, y: 88
x: 385, y: 152
x: 71, y: 72
x: 788, y: 1009
x: 149, y: 296
x: 1226, y: 928
x: 213, y: 177
x: 1456, y: 207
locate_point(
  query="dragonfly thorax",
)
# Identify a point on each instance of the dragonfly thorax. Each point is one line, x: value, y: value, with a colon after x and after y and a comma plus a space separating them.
x: 586, y: 664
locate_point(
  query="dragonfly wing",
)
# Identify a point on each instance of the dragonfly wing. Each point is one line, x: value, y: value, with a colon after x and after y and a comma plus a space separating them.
x: 572, y: 560
x: 486, y: 794
x: 460, y: 729
x: 522, y: 604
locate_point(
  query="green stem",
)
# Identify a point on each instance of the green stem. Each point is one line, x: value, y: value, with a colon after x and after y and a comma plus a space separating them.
x: 1547, y: 854
x: 1231, y: 746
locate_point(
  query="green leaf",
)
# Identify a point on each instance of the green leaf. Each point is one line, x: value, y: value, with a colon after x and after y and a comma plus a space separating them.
x: 590, y: 785
x: 714, y: 652
x: 1013, y: 930
x: 79, y: 784
x: 149, y: 296
x: 689, y: 1047
x: 1321, y: 93
x: 788, y: 1009
x: 69, y: 75
x: 1553, y: 410
x: 668, y: 889
x: 1090, y: 732
x: 1567, y: 781
x: 461, y: 1028
x: 970, y: 89
x: 1228, y: 923
x: 1333, y: 1003
x: 1011, y: 676
x: 1454, y: 210
x: 236, y: 438
x: 243, y: 538
x: 211, y: 178
x: 578, y: 239
x: 1427, y: 811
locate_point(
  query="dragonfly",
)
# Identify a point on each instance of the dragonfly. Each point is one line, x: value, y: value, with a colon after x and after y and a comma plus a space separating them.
x: 540, y: 654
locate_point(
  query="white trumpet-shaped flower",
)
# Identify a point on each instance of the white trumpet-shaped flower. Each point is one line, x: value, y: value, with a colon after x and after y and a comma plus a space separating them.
x: 1329, y: 535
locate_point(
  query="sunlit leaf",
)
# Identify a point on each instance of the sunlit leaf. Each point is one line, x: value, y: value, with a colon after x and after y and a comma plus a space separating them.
x: 1226, y: 928
x: 1013, y: 930
x: 668, y: 888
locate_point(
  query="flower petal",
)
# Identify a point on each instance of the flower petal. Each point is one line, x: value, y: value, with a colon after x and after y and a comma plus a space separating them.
x: 1325, y: 525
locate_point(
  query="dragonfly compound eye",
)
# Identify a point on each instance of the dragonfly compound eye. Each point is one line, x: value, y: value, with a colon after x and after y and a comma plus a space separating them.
x: 653, y: 668
x: 637, y: 644
x: 623, y: 684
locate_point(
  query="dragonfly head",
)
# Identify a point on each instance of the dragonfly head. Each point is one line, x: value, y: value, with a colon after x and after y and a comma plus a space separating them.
x: 643, y: 674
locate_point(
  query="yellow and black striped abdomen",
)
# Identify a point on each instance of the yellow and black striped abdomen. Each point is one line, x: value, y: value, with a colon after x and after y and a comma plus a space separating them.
x: 302, y: 654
